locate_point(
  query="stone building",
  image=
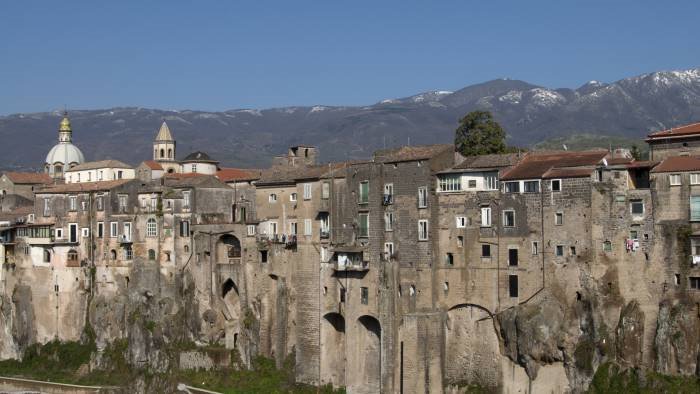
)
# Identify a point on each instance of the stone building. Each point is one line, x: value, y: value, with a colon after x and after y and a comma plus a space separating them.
x: 417, y: 270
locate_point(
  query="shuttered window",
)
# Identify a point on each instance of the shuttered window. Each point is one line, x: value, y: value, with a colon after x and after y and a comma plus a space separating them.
x: 695, y: 208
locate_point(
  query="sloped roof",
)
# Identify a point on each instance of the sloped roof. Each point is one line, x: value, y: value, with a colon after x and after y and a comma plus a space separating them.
x: 164, y: 133
x: 199, y: 157
x: 83, y: 187
x: 489, y: 161
x: 536, y: 164
x: 92, y: 165
x: 411, y: 153
x: 568, y: 172
x: 193, y: 180
x: 153, y: 165
x: 290, y: 175
x: 238, y: 174
x: 29, y: 178
x: 678, y: 164
x: 682, y: 131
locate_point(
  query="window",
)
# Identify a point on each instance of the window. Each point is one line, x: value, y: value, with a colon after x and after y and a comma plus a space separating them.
x: 194, y: 168
x: 449, y: 259
x: 47, y: 207
x: 272, y: 226
x: 73, y: 232
x: 293, y: 197
x: 513, y: 286
x: 485, y: 250
x: 185, y: 228
x: 422, y: 197
x: 509, y: 218
x: 123, y: 198
x: 272, y: 198
x: 560, y: 250
x: 72, y: 255
x: 556, y: 185
x: 186, y: 200
x: 485, y: 217
x: 83, y: 205
x: 388, y: 221
x: 325, y: 190
x: 461, y: 221
x: 58, y: 233
x: 364, y: 295
x: 113, y: 229
x: 307, y: 191
x: 607, y: 246
x: 677, y: 279
x: 471, y: 184
x: 531, y: 186
x: 388, y: 250
x: 47, y: 256
x: 128, y: 253
x: 694, y: 208
x: 325, y: 224
x: 323, y: 254
x: 100, y: 203
x: 72, y: 203
x: 412, y: 290
x: 572, y: 250
x: 151, y: 228
x: 634, y: 234
x: 154, y: 204
x: 151, y: 254
x: 363, y: 225
x: 694, y: 282
x: 491, y: 181
x: 364, y: 192
x: 422, y: 230
x: 535, y: 248
x: 293, y: 228
x: 250, y: 230
x: 674, y: 179
x: 637, y: 207
x: 460, y: 241
x: 558, y: 218
x: 513, y: 257
x: 100, y: 229
x: 263, y: 256
x: 695, y: 179
x: 449, y: 183
x: 512, y: 187
x: 126, y: 234
x: 308, y: 229
x: 388, y: 197
x: 84, y: 232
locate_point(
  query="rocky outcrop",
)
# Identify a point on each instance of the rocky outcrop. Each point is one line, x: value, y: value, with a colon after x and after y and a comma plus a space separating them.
x: 677, y: 341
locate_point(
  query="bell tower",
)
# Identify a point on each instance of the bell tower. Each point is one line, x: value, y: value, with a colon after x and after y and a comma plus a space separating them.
x: 164, y: 149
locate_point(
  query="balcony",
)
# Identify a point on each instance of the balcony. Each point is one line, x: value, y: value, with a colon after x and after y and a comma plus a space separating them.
x: 325, y: 234
x: 41, y: 240
x: 350, y: 259
x: 387, y: 199
x: 123, y: 239
x: 290, y: 242
x: 359, y: 266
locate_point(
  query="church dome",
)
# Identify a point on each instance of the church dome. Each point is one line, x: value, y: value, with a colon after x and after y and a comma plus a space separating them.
x: 66, y: 154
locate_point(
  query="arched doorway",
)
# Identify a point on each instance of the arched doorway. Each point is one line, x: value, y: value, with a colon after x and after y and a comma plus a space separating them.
x: 471, y: 347
x: 365, y: 360
x: 333, y: 349
x: 228, y: 249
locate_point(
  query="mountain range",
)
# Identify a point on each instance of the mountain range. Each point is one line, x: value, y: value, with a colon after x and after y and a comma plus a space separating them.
x: 625, y: 110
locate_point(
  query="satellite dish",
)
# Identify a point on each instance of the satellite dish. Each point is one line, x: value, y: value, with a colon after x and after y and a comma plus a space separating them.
x: 564, y: 146
x: 605, y: 162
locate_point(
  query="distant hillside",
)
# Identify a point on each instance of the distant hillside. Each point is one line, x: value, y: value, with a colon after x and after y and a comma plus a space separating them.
x: 626, y: 109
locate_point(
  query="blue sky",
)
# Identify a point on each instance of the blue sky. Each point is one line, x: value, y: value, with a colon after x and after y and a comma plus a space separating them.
x: 222, y: 55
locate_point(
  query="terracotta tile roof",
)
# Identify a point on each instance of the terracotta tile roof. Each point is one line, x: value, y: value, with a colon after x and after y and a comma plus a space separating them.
x: 290, y: 175
x: 619, y: 160
x: 678, y: 164
x: 536, y: 164
x: 569, y: 172
x: 32, y: 178
x: 489, y: 161
x: 193, y: 180
x: 411, y: 153
x: 83, y: 187
x: 238, y: 174
x: 91, y: 165
x: 17, y: 213
x: 642, y: 164
x: 153, y: 165
x: 693, y: 128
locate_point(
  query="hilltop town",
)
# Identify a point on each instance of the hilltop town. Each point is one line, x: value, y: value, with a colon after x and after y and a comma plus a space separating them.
x: 417, y: 270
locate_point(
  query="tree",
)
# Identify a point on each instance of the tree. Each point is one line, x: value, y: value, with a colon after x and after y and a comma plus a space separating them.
x: 479, y: 134
x: 636, y: 154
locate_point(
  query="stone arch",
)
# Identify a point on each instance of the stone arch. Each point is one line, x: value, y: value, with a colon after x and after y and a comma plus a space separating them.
x: 366, y: 358
x: 231, y: 297
x: 333, y: 349
x: 162, y: 153
x: 228, y: 247
x: 170, y: 153
x: 472, y: 353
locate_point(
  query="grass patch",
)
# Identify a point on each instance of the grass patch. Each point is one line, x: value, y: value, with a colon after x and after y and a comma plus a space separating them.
x: 610, y: 378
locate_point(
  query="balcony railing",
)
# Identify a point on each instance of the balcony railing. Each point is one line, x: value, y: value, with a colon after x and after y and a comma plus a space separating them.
x: 325, y: 234
x: 351, y: 265
x: 387, y: 199
x: 123, y: 239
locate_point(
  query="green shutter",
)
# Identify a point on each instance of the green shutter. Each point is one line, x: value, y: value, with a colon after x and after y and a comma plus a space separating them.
x: 695, y: 208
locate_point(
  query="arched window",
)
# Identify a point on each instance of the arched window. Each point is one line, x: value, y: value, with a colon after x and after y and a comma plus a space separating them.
x: 47, y: 256
x: 151, y: 254
x: 113, y: 254
x: 72, y: 255
x: 58, y: 169
x: 155, y: 153
x: 162, y: 153
x: 151, y: 228
x: 170, y: 153
x: 128, y: 253
x: 187, y: 249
